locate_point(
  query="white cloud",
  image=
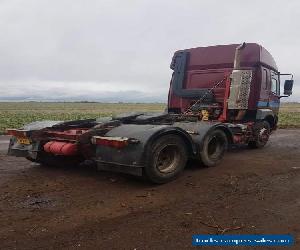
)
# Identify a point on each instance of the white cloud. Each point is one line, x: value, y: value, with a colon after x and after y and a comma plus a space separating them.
x: 67, y: 48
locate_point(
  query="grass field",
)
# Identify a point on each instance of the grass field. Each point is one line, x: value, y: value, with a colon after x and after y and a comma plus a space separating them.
x: 16, y: 114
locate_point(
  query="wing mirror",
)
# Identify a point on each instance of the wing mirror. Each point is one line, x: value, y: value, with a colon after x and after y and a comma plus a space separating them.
x: 288, y: 87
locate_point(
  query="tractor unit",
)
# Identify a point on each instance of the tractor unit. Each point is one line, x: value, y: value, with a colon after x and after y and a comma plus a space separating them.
x: 219, y: 96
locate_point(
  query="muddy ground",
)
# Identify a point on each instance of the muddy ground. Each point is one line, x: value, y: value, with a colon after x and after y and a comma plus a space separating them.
x: 251, y: 191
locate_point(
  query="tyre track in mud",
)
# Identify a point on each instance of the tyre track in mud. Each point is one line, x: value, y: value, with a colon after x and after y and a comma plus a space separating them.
x: 251, y: 191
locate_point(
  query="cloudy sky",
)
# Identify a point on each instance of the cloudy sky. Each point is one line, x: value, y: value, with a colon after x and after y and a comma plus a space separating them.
x: 121, y: 50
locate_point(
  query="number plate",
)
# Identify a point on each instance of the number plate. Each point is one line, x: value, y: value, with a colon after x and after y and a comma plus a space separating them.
x: 25, y: 141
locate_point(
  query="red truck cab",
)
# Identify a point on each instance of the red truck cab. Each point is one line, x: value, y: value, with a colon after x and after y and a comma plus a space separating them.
x: 206, y: 66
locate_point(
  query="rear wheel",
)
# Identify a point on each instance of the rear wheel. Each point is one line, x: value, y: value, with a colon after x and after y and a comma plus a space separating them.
x: 166, y: 158
x: 261, y: 134
x: 214, y: 146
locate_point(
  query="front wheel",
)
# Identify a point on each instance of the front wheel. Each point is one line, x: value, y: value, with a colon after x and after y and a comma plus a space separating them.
x: 214, y: 146
x: 166, y: 158
x: 261, y: 134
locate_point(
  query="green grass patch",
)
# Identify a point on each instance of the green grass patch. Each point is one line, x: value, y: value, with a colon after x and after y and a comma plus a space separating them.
x: 289, y: 119
x: 17, y: 114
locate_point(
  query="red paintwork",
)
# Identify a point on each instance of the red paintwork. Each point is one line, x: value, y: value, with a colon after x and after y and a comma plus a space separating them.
x: 61, y: 148
x: 208, y: 65
x: 71, y: 134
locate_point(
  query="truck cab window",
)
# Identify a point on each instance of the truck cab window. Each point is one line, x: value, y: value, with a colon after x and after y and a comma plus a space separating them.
x: 274, y: 84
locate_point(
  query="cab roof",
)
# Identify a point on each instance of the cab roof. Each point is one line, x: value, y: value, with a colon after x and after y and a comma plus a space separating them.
x: 222, y: 56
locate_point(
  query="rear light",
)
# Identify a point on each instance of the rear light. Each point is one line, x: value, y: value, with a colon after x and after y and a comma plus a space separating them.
x: 71, y: 134
x: 18, y: 132
x: 114, y: 142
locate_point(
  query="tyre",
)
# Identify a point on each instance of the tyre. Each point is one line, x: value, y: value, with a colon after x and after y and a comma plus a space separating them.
x: 214, y: 146
x: 261, y: 134
x: 165, y: 159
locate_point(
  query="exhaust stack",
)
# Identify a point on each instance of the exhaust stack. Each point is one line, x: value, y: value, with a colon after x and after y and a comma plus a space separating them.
x: 239, y: 85
x: 237, y: 56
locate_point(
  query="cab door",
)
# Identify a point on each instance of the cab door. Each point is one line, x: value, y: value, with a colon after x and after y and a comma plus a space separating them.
x: 274, y: 92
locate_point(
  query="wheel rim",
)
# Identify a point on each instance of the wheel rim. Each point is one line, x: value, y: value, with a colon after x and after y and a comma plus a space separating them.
x: 215, y: 147
x: 263, y: 135
x: 168, y: 159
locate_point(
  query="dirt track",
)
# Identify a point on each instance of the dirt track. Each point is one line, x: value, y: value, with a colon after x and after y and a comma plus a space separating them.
x: 252, y: 191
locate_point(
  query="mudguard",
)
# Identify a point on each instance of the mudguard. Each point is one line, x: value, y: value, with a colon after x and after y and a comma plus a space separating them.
x: 134, y: 154
x: 40, y: 125
x: 198, y: 130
